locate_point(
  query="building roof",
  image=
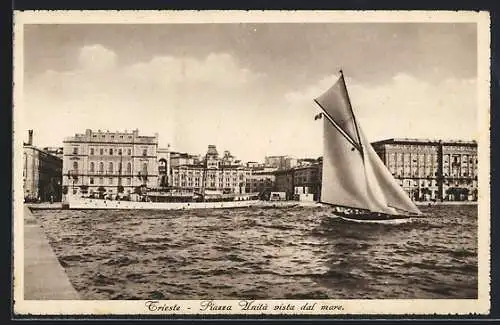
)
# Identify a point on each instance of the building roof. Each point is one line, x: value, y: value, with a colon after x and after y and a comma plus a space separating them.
x: 423, y: 141
x: 45, y: 153
x: 212, y: 150
x: 112, y: 137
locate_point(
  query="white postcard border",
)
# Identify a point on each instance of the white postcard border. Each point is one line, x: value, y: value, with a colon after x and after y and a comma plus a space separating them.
x: 379, y: 307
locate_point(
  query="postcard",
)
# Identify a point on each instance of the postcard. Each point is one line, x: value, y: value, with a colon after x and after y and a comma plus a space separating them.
x: 251, y: 163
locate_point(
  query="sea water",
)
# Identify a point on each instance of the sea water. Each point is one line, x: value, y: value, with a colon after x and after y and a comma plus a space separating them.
x: 264, y: 253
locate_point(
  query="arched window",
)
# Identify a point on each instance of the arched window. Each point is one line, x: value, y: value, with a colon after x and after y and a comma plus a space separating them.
x: 75, y: 165
x: 101, y: 167
x: 92, y: 166
x: 110, y: 167
x: 110, y: 152
x: 129, y: 168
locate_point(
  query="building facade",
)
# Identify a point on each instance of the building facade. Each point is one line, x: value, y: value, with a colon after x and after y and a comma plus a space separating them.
x: 109, y: 163
x: 432, y: 170
x: 213, y: 174
x: 280, y: 162
x: 283, y: 182
x: 260, y: 182
x: 41, y: 173
x: 307, y: 180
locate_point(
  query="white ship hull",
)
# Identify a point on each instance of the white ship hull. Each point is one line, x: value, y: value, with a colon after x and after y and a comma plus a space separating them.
x: 96, y: 204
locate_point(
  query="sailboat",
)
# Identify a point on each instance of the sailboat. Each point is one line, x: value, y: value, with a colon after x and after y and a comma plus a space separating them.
x: 355, y: 181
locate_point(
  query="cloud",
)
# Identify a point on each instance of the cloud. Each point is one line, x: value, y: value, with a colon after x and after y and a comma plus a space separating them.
x: 96, y: 57
x: 183, y: 99
x: 405, y: 106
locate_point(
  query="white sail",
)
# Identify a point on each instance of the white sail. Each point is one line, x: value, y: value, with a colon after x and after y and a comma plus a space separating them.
x: 353, y: 174
x: 394, y: 195
x: 343, y: 180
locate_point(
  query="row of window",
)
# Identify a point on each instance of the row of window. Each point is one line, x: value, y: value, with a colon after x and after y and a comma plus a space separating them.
x: 128, y: 181
x: 92, y: 167
x: 110, y: 151
x: 112, y: 136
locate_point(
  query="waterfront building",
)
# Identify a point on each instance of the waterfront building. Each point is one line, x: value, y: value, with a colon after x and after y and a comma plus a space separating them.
x: 213, y: 174
x: 280, y: 162
x: 283, y: 182
x: 432, y: 169
x: 108, y: 163
x: 260, y: 182
x: 41, y: 173
x: 307, y: 179
x: 182, y: 158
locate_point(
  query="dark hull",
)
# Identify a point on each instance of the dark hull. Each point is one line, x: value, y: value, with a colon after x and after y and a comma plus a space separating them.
x: 374, y: 218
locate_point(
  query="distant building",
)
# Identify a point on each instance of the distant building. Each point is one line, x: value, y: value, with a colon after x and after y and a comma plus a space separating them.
x: 182, y: 158
x: 430, y: 169
x: 307, y: 180
x: 254, y: 164
x: 215, y: 174
x: 110, y: 162
x: 54, y: 151
x: 41, y: 173
x: 284, y: 182
x: 280, y: 162
x: 260, y: 182
x: 306, y: 162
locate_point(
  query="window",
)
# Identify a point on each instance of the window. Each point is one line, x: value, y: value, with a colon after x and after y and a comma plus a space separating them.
x: 92, y: 166
x: 91, y: 181
x: 101, y: 152
x: 145, y: 168
x: 92, y: 151
x: 129, y: 152
x: 145, y: 152
x: 129, y: 181
x: 112, y: 137
x: 101, y: 167
x: 101, y: 180
x: 120, y: 152
x: 94, y: 136
x: 110, y: 181
x: 75, y: 165
x: 129, y: 168
x: 121, y: 136
x: 110, y: 167
x: 75, y: 150
x: 110, y: 152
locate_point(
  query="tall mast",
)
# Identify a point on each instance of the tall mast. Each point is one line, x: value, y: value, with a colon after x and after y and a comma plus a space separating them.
x: 352, y: 112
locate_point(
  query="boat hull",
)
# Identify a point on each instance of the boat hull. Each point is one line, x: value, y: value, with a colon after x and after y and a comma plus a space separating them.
x: 375, y: 218
x: 132, y: 205
x: 95, y: 204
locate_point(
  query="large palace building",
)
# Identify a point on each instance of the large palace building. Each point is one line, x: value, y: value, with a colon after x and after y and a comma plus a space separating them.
x: 214, y: 174
x: 432, y: 170
x: 109, y: 163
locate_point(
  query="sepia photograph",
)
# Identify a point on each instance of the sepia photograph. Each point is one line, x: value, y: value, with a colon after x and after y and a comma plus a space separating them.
x: 227, y: 162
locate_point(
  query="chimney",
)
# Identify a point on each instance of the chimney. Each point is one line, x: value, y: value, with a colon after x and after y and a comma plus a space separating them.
x: 30, y: 137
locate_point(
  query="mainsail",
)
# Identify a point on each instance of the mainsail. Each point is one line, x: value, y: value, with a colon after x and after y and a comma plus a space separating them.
x: 353, y: 174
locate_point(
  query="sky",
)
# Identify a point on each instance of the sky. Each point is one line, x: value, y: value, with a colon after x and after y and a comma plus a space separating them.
x: 248, y: 88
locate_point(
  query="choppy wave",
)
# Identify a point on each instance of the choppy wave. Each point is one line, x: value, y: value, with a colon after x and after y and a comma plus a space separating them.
x: 293, y: 253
